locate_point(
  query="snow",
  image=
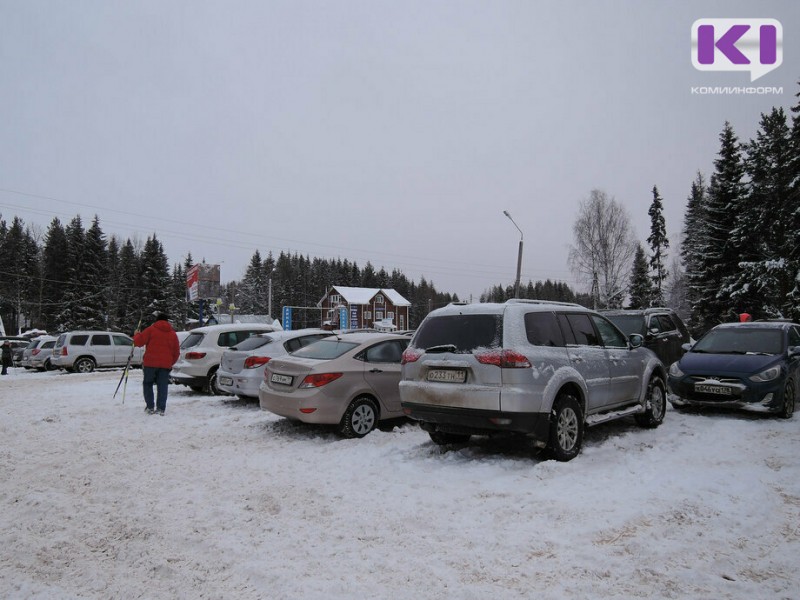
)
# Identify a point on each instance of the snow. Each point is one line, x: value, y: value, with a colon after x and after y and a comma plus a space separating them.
x: 218, y: 499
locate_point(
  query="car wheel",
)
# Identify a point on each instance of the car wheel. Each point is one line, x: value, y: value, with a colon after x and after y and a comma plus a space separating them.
x: 788, y: 400
x: 213, y: 388
x: 49, y: 366
x: 359, y: 419
x: 443, y: 439
x: 656, y: 401
x: 84, y: 365
x: 566, y: 429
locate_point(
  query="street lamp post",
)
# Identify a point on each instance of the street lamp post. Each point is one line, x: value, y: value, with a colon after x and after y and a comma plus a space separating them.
x: 519, y: 256
x: 269, y: 294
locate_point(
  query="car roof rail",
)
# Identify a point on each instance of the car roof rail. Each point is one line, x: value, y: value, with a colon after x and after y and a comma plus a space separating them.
x: 533, y: 301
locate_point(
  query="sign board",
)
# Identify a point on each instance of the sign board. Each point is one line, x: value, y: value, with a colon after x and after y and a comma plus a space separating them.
x: 353, y: 317
x: 286, y: 317
x: 202, y: 281
x: 343, y: 318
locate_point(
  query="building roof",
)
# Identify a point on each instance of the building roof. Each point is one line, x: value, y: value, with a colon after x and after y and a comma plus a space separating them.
x: 357, y: 295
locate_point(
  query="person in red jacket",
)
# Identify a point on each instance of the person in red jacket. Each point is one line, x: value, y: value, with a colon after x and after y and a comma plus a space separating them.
x: 161, y: 352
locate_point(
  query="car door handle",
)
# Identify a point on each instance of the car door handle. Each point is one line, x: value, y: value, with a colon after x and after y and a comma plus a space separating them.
x: 376, y: 370
x: 577, y: 359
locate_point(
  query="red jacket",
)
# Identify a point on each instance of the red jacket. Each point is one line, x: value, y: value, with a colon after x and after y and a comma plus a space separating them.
x: 162, y: 345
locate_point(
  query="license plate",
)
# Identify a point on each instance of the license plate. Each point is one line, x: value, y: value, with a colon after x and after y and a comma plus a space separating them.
x: 282, y: 379
x: 226, y: 381
x: 712, y: 389
x: 447, y: 375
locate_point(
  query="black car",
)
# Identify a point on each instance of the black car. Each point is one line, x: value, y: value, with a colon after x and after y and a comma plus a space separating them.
x: 750, y: 366
x: 662, y: 329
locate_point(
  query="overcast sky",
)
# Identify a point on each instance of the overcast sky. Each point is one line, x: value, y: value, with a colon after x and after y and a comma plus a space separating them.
x: 394, y: 132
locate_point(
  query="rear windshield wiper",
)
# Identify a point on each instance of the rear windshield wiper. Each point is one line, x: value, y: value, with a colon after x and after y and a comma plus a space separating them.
x: 442, y: 348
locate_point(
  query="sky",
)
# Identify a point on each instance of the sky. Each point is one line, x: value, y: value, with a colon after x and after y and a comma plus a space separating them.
x: 218, y: 499
x: 390, y: 132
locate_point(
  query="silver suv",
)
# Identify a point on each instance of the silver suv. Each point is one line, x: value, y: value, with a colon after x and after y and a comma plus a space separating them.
x: 84, y: 351
x: 201, y: 353
x: 541, y: 369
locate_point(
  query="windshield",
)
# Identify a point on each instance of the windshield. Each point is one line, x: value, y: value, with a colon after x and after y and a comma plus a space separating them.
x: 326, y: 349
x: 741, y: 341
x: 628, y: 323
x: 460, y: 333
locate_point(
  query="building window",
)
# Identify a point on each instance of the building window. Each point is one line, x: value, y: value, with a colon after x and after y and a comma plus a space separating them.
x: 390, y: 315
x: 367, y: 315
x: 379, y: 315
x: 336, y: 299
x: 378, y: 299
x: 402, y: 324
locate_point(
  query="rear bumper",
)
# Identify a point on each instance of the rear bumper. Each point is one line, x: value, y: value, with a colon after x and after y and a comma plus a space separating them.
x: 478, y: 422
x: 189, y: 380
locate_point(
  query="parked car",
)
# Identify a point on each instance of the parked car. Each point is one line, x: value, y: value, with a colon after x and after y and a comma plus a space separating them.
x: 749, y: 366
x: 241, y: 369
x: 85, y: 351
x: 663, y: 330
x: 202, y: 350
x: 38, y: 353
x: 18, y: 345
x: 348, y: 380
x: 540, y: 369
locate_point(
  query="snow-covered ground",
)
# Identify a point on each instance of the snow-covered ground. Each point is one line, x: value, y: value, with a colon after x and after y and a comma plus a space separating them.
x: 220, y: 500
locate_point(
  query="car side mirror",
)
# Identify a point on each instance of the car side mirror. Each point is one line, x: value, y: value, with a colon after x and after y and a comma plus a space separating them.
x: 635, y: 340
x: 794, y: 351
x: 686, y: 347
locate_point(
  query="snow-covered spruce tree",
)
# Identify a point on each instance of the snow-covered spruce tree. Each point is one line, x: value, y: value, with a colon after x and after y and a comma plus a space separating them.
x: 793, y: 237
x: 640, y: 288
x: 156, y: 280
x: 692, y: 248
x: 765, y: 279
x: 94, y: 279
x: 718, y: 260
x: 54, y: 270
x: 70, y: 315
x: 19, y: 272
x: 659, y: 243
x: 177, y: 303
x: 252, y: 291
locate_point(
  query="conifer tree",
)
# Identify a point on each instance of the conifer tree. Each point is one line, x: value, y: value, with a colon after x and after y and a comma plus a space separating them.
x: 156, y: 280
x: 658, y: 248
x: 718, y: 260
x: 641, y: 289
x: 694, y: 237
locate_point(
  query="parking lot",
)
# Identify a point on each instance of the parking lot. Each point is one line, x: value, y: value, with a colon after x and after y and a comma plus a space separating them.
x: 218, y: 499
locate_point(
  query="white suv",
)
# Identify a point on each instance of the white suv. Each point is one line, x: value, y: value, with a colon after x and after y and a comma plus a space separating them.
x: 84, y: 351
x: 202, y: 350
x: 540, y: 369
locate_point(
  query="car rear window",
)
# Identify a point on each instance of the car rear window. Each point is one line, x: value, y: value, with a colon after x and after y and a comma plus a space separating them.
x: 192, y: 340
x: 326, y: 349
x: 252, y: 343
x: 465, y: 332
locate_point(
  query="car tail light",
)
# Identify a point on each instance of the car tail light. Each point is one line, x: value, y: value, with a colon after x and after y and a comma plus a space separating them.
x: 315, y: 381
x: 410, y: 355
x: 253, y: 362
x: 195, y: 355
x: 35, y: 351
x: 63, y: 351
x: 505, y: 359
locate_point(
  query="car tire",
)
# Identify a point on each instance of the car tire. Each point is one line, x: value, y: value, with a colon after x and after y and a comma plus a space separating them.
x: 441, y: 438
x: 49, y: 366
x: 566, y: 428
x: 789, y: 392
x: 656, y: 407
x: 213, y: 388
x: 84, y: 365
x: 360, y: 418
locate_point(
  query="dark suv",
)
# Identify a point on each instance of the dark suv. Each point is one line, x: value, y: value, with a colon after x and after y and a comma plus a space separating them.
x: 663, y: 331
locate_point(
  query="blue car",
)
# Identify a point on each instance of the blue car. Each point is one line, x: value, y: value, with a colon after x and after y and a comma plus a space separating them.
x: 751, y: 366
